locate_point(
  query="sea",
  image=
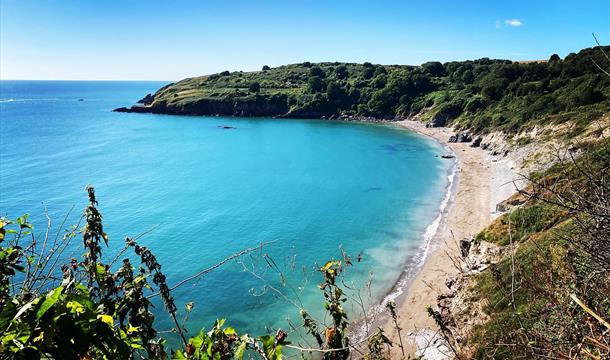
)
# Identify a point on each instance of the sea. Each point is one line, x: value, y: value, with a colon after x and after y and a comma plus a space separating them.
x: 196, y: 190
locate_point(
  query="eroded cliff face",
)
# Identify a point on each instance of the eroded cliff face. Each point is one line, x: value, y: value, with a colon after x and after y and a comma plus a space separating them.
x: 257, y: 106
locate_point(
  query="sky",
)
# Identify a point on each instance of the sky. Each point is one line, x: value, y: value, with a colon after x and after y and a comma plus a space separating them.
x: 171, y: 40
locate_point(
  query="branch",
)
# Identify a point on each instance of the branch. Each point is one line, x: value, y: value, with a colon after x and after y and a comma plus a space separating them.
x: 588, y: 310
x: 215, y: 266
x: 601, y: 47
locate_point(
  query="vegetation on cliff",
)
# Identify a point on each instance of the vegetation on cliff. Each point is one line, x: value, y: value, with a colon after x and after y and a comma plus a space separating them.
x: 482, y: 94
x: 548, y: 297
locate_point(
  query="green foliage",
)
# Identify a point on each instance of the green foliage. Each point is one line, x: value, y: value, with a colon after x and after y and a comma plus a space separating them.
x: 376, y: 344
x: 315, y: 84
x: 434, y: 68
x: 522, y: 223
x: 336, y: 334
x: 483, y: 94
x: 106, y: 318
x: 316, y: 71
x: 341, y: 72
x: 254, y: 87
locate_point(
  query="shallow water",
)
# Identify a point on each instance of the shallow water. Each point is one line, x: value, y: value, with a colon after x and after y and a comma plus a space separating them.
x: 207, y: 192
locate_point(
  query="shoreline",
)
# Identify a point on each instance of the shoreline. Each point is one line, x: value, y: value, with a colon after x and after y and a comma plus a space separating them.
x: 414, y: 263
x: 472, y: 197
x: 424, y: 273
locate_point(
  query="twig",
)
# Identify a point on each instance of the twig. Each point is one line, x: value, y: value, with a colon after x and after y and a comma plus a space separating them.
x: 588, y: 310
x: 215, y: 266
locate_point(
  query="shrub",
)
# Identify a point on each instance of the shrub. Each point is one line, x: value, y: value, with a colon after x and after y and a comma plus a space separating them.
x: 254, y: 87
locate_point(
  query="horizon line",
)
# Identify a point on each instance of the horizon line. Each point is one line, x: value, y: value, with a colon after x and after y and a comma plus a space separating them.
x: 87, y: 80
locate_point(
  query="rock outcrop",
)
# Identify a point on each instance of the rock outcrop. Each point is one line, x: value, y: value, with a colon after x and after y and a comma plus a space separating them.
x: 147, y: 100
x: 476, y: 142
x: 257, y: 106
x: 460, y: 137
x: 439, y: 120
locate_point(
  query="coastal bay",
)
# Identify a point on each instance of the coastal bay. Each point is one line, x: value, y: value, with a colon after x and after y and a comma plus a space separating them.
x: 216, y: 185
x: 278, y: 180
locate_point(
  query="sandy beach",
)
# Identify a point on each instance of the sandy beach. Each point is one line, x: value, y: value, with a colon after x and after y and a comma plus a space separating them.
x: 481, y: 183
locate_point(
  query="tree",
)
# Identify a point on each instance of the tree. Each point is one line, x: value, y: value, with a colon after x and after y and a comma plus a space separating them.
x: 380, y: 70
x: 468, y: 77
x: 382, y: 103
x: 266, y: 67
x: 434, y: 68
x: 254, y: 87
x: 492, y: 86
x: 336, y: 94
x: 316, y: 71
x: 379, y: 81
x: 314, y: 84
x: 554, y: 58
x: 341, y: 72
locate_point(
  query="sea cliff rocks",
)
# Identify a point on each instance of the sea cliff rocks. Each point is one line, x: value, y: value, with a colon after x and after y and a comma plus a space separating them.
x: 439, y: 120
x: 147, y: 100
x: 250, y: 106
x: 460, y: 137
x: 517, y: 199
x: 465, y: 247
x: 476, y: 142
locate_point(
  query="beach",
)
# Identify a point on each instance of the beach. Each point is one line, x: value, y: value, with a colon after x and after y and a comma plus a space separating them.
x: 481, y: 182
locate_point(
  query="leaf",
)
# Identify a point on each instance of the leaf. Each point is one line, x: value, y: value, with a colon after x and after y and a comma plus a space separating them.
x: 178, y: 355
x: 189, y: 306
x: 49, y: 301
x: 25, y: 308
x: 100, y: 269
x: 75, y: 307
x: 18, y: 267
x: 239, y: 352
x: 107, y: 319
x: 7, y: 313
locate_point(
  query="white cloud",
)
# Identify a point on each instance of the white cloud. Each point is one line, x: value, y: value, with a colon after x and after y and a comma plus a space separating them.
x: 498, y: 24
x: 513, y: 22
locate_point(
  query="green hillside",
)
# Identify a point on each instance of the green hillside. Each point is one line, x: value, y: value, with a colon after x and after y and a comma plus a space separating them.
x: 480, y: 94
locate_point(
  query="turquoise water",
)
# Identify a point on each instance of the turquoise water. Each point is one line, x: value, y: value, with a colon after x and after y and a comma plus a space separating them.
x: 206, y: 192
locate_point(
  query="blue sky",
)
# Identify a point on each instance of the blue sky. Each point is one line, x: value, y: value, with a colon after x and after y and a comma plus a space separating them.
x: 170, y: 40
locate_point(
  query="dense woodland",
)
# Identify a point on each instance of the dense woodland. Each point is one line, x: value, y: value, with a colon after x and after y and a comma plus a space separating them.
x: 482, y: 94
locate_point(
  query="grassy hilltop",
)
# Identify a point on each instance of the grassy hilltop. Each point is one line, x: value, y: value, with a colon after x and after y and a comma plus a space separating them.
x: 481, y: 94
